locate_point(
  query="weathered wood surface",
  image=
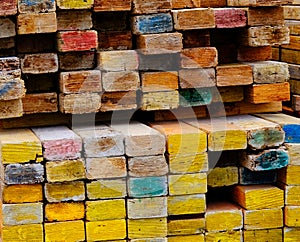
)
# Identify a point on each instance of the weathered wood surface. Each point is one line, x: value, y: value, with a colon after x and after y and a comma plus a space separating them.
x: 289, y: 175
x: 233, y: 75
x: 197, y: 78
x: 222, y: 216
x: 294, y: 153
x: 115, y: 5
x: 225, y: 236
x: 186, y: 226
x: 36, y: 23
x: 74, y: 20
x: 160, y: 100
x: 223, y: 176
x: 11, y: 87
x: 156, y: 207
x: 106, y: 167
x: 29, y: 232
x: 230, y: 17
x: 291, y: 233
x: 213, y: 3
x: 116, y: 101
x: 65, y: 170
x: 123, y: 60
x: 8, y: 7
x: 257, y: 3
x: 159, y: 81
x: 254, y: 197
x: 201, y: 57
x: 260, y: 53
x: 195, y: 97
x: 8, y: 64
x: 120, y: 81
x: 7, y: 28
x: 40, y: 103
x: 106, y: 230
x: 248, y: 177
x: 151, y: 24
x: 186, y: 204
x: 19, y: 146
x: 73, y: 230
x: 195, y: 38
x: 152, y: 44
x: 67, y: 191
x: 23, y: 193
x: 290, y: 56
x: 105, y: 210
x: 153, y: 6
x: 261, y: 133
x: 263, y: 234
x: 139, y: 187
x: 179, y: 4
x: 59, y: 143
x: 291, y: 216
x: 115, y: 40
x: 256, y: 16
x: 106, y: 189
x: 36, y: 6
x: 199, y: 18
x: 230, y: 94
x: 80, y: 40
x: 55, y: 212
x: 79, y: 103
x: 292, y: 11
x: 191, y: 238
x: 74, y: 4
x: 71, y: 61
x: 264, y: 93
x: 291, y: 194
x: 268, y: 159
x: 39, y: 63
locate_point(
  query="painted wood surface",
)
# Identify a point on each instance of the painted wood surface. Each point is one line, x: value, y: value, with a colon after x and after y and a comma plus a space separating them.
x: 120, y: 81
x: 263, y: 219
x: 8, y: 7
x: 77, y: 40
x: 105, y: 167
x: 199, y: 18
x: 11, y: 88
x: 294, y: 153
x: 74, y: 20
x: 151, y: 24
x: 80, y: 81
x: 197, y: 78
x: 39, y: 63
x: 59, y: 142
x: 289, y: 175
x: 29, y: 232
x: 291, y: 194
x: 191, y: 238
x: 254, y: 197
x: 201, y: 57
x: 186, y: 204
x: 156, y: 207
x: 187, y: 226
x: 36, y: 23
x: 223, y: 176
x: 106, y: 230
x: 22, y: 193
x: 291, y: 234
x: 248, y: 177
x: 74, y: 4
x: 223, y: 216
x: 37, y: 6
x: 67, y: 191
x: 230, y: 17
x: 263, y: 235
x: 232, y: 236
x: 56, y: 212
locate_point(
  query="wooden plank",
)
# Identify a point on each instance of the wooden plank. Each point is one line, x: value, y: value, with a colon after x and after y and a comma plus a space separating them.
x: 222, y: 135
x: 106, y: 230
x: 292, y: 24
x: 36, y: 6
x: 73, y: 230
x: 106, y: 167
x: 8, y: 64
x: 263, y: 219
x: 291, y: 234
x: 23, y: 193
x: 147, y: 228
x: 19, y: 146
x: 115, y: 40
x: 55, y: 212
x: 79, y: 103
x: 234, y: 75
x: 232, y: 236
x: 255, y: 197
x: 290, y: 56
x: 27, y: 232
x: 186, y: 204
x: 294, y: 153
x: 263, y: 235
x: 246, y: 108
x: 261, y: 134
x: 296, y: 102
x: 257, y: 3
x: 294, y: 71
x: 23, y: 174
x: 201, y: 57
x: 260, y: 53
x: 8, y: 7
x: 263, y: 93
x: 230, y: 17
x: 147, y: 166
x: 153, y: 6
x: 228, y: 94
x: 59, y: 142
x: 74, y: 20
x: 71, y: 61
x: 185, y: 4
x: 291, y: 12
x: 117, y: 101
x: 120, y: 81
x: 269, y: 72
x: 39, y: 63
x: 11, y: 87
x: 80, y: 40
x: 106, y: 188
x: 7, y: 28
x: 122, y: 60
x: 186, y: 226
x: 40, y: 103
x: 36, y: 23
x: 115, y: 5
x: 26, y: 213
x: 289, y: 124
x: 248, y: 177
x: 156, y: 208
x: 151, y: 44
x: 213, y: 3
x: 151, y: 24
x: 294, y: 86
x: 80, y: 81
x: 256, y: 16
x: 159, y: 81
x: 74, y: 4
x: 197, y: 78
x: 149, y: 239
x: 67, y: 191
x: 197, y: 18
x: 289, y: 175
x: 294, y: 43
x: 268, y: 159
x: 65, y: 170
x: 190, y: 238
x: 223, y: 176
x: 291, y: 194
x: 223, y: 216
x: 195, y: 97
x: 160, y: 100
x: 139, y: 187
x: 105, y: 210
x: 291, y: 214
x: 265, y: 36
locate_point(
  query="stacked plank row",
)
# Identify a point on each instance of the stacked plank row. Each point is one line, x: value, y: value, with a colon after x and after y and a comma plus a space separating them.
x: 165, y: 181
x: 107, y: 56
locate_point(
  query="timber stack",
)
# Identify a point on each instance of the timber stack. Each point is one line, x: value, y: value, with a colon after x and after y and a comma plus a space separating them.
x: 203, y: 159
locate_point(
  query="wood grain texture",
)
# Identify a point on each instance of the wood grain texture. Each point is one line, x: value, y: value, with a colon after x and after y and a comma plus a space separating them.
x: 261, y: 53
x: 263, y: 219
x: 232, y: 236
x: 40, y: 103
x: 190, y: 238
x: 291, y: 194
x: 201, y: 57
x: 37, y: 6
x: 248, y: 177
x: 186, y: 226
x: 257, y: 3
x: 186, y: 204
x: 11, y: 88
x: 115, y: 5
x: 74, y: 4
x: 289, y: 175
x: 185, y: 4
x: 55, y: 212
x: 74, y: 20
x: 29, y: 232
x: 160, y: 100
x: 262, y: 235
x: 230, y: 17
x: 153, y: 6
x: 223, y: 176
x: 120, y: 81
x: 7, y: 28
x: 256, y: 16
x: 8, y: 64
x: 294, y: 153
x: 39, y: 63
x: 115, y: 40
x: 22, y: 193
x: 197, y: 78
x: 116, y: 101
x: 290, y: 234
x: 159, y: 81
